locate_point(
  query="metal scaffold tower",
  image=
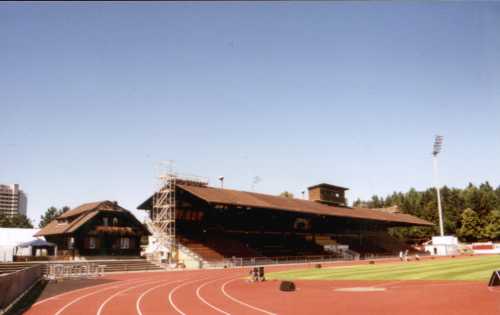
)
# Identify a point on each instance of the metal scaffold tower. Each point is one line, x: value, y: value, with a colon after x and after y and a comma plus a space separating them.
x: 163, y: 211
x: 162, y: 223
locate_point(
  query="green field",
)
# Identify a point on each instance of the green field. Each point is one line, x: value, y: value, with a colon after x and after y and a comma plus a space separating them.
x: 470, y: 268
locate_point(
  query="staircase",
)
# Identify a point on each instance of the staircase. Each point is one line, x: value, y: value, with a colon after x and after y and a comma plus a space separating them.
x: 205, y: 252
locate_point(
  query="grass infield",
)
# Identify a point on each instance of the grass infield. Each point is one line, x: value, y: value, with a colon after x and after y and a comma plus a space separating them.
x: 470, y: 268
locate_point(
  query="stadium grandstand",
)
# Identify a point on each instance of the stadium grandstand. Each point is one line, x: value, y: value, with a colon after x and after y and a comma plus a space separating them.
x: 211, y: 225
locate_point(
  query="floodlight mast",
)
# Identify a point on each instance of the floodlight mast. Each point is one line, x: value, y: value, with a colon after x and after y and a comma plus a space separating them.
x: 438, y: 143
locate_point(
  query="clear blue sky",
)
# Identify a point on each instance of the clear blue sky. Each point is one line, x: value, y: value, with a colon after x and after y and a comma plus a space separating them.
x: 349, y: 93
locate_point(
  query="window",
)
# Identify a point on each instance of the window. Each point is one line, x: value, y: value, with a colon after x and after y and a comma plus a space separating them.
x: 115, y: 221
x: 92, y: 243
x: 124, y: 243
x: 105, y: 221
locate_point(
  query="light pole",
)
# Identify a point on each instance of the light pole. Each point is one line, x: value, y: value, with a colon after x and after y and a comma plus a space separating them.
x: 255, y: 181
x: 438, y: 143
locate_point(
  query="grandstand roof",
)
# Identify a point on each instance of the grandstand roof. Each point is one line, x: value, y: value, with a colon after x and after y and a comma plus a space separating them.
x: 256, y: 200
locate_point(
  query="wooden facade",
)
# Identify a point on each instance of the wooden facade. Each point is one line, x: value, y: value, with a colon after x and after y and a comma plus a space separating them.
x: 328, y: 194
x: 201, y: 209
x: 96, y: 229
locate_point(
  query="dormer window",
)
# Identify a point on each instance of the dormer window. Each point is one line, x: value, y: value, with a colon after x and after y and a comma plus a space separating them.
x: 105, y: 221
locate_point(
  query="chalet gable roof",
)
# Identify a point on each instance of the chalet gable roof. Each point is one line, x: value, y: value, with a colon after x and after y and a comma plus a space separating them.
x: 91, y: 206
x: 73, y: 219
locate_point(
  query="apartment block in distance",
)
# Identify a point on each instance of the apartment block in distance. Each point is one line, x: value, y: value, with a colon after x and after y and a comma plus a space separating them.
x: 12, y: 200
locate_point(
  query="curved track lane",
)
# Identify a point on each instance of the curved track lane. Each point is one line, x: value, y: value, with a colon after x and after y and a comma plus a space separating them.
x: 226, y: 292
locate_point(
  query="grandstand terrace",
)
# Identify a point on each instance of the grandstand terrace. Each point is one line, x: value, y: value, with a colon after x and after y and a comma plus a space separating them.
x: 217, y: 223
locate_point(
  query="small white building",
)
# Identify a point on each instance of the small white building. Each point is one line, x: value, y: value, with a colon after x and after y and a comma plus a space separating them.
x: 443, y: 246
x: 10, y: 238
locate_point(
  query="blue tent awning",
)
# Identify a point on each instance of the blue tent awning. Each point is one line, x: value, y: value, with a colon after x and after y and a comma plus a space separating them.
x: 36, y: 243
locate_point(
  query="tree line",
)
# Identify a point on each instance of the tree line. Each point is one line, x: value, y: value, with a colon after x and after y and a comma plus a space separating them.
x: 22, y: 221
x: 16, y: 221
x: 471, y: 213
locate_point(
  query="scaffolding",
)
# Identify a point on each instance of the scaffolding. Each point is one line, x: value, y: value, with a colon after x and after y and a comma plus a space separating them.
x: 163, y: 216
x: 163, y: 212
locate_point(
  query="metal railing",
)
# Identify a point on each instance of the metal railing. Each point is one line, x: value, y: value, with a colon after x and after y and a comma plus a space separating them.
x: 13, y: 285
x: 258, y: 261
x: 74, y: 270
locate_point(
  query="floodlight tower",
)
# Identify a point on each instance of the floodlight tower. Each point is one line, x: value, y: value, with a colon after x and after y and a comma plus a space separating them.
x: 438, y: 143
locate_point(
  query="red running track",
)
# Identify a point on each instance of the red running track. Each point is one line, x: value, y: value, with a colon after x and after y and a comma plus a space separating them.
x: 227, y: 292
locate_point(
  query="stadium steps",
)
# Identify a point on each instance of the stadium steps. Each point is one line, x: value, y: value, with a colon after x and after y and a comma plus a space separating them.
x: 216, y: 248
x: 201, y: 250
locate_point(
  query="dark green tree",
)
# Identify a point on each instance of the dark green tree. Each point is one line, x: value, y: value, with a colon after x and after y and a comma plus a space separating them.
x: 483, y: 199
x: 470, y: 229
x: 286, y: 194
x: 17, y: 221
x: 4, y: 221
x: 376, y: 202
x: 50, y: 214
x: 491, y: 230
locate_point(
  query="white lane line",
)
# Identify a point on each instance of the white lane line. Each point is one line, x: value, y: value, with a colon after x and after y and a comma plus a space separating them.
x: 205, y: 301
x: 171, y: 294
x: 103, y: 304
x: 139, y: 299
x: 114, y: 282
x: 223, y: 289
x: 82, y: 297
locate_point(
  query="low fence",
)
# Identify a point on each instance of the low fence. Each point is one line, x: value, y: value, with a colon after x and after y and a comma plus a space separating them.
x: 289, y: 260
x: 13, y: 285
x: 80, y: 270
x: 258, y: 261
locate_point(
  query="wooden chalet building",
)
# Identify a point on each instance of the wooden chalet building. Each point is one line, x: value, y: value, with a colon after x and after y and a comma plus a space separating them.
x: 95, y: 229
